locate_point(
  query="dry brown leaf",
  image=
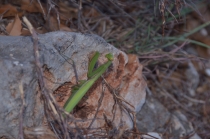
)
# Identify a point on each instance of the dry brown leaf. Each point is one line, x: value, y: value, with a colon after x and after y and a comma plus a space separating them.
x: 9, y: 27
x: 11, y: 10
x: 14, y: 28
x: 53, y: 24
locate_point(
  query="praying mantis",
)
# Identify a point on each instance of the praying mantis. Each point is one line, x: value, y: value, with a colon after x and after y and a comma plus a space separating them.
x: 81, y: 89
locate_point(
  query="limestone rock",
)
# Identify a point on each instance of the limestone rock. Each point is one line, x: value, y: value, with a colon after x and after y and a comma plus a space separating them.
x: 153, y: 116
x: 57, y: 51
x: 181, y: 127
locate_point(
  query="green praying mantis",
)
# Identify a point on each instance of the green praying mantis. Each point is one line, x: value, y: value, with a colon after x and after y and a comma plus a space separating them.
x: 81, y: 89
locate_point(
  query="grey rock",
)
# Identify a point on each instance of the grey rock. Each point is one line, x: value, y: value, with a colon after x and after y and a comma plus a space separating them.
x: 57, y: 51
x: 153, y: 116
x: 181, y: 127
x: 17, y: 65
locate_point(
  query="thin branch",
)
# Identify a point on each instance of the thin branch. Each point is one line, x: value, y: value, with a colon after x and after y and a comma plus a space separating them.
x: 45, y: 92
x: 99, y: 105
x: 42, y: 9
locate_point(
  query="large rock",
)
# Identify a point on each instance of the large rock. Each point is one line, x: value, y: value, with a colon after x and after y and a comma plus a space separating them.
x: 156, y: 119
x: 153, y: 116
x: 17, y: 65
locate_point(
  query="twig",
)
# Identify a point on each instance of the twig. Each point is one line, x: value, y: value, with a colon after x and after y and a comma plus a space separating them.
x: 123, y: 12
x: 119, y: 100
x: 99, y: 105
x: 45, y: 92
x: 168, y: 54
x: 164, y: 92
x: 176, y: 49
x: 117, y: 96
x: 192, y: 99
x: 79, y: 15
x: 54, y: 130
x: 42, y: 9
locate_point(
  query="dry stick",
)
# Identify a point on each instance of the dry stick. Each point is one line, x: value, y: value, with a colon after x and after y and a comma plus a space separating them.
x: 189, y: 98
x: 168, y: 75
x: 123, y: 11
x: 81, y: 20
x: 2, y: 28
x: 52, y: 126
x: 75, y: 71
x: 193, y: 100
x: 176, y: 49
x: 42, y: 9
x: 171, y: 28
x: 99, y: 105
x: 86, y: 25
x: 162, y: 11
x: 79, y: 15
x: 22, y: 109
x: 44, y: 91
x: 49, y: 9
x: 172, y: 15
x: 114, y: 108
x: 164, y: 92
x: 52, y: 6
x: 51, y: 104
x: 108, y: 124
x: 166, y: 54
x: 119, y: 97
x: 119, y: 100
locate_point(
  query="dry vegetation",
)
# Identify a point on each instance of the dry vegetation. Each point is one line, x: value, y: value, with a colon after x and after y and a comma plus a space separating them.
x: 169, y: 36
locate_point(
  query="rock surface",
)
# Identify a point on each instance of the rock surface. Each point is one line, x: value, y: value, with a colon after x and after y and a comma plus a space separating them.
x: 125, y: 83
x: 181, y: 127
x: 57, y: 50
x: 154, y: 117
